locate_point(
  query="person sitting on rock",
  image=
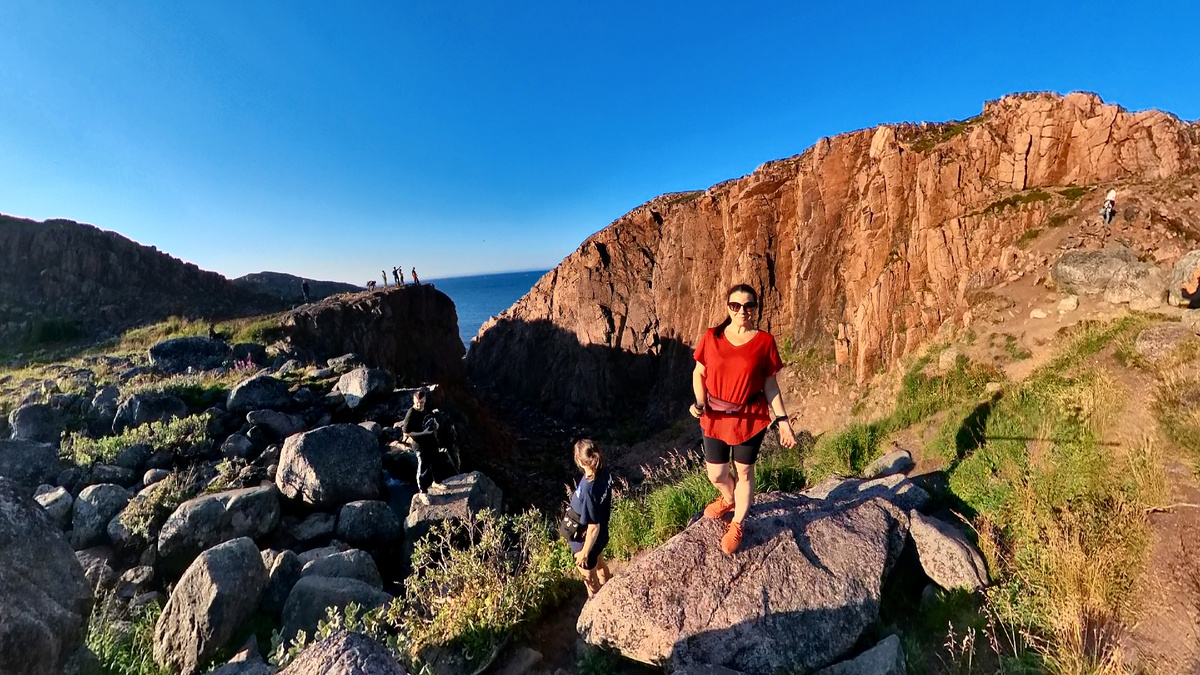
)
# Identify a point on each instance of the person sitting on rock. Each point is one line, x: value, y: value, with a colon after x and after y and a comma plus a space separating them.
x: 1110, y: 206
x: 592, y: 500
x: 736, y: 392
x: 420, y: 429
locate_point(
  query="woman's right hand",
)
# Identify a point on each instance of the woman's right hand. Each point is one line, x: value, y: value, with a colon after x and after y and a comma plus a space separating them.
x: 696, y: 411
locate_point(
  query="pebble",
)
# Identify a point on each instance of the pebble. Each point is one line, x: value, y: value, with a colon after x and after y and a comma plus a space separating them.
x: 1038, y: 313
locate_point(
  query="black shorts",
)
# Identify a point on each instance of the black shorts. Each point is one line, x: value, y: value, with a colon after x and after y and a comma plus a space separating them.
x: 717, y: 451
x: 594, y: 554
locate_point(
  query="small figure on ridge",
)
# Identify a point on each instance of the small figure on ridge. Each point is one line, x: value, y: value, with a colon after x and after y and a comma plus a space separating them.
x: 1110, y: 206
x: 304, y: 290
x: 415, y: 279
x: 396, y: 275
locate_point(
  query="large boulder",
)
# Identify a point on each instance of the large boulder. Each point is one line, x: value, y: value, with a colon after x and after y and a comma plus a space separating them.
x: 799, y: 593
x: 1161, y: 339
x: 214, y: 597
x: 283, y: 571
x: 95, y: 506
x: 36, y: 422
x: 368, y: 523
x: 364, y: 385
x: 28, y: 464
x: 947, y: 555
x: 177, y: 355
x: 57, y: 502
x: 1114, y: 273
x: 885, y: 658
x: 205, y: 521
x: 311, y: 596
x: 147, y: 407
x: 45, y: 600
x: 894, y: 462
x: 352, y: 564
x: 316, y: 527
x: 345, y: 654
x: 257, y: 393
x: 281, y: 425
x: 330, y: 466
x: 1184, y: 290
x: 457, y: 498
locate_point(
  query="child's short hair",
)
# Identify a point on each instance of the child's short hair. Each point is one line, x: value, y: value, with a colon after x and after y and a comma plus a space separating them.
x: 587, y: 454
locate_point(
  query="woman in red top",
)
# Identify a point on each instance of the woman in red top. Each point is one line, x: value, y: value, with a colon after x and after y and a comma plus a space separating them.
x: 737, y: 399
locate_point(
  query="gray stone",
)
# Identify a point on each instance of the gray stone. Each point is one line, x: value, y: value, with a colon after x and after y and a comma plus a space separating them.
x: 290, y: 366
x: 57, y: 502
x: 105, y: 402
x: 322, y: 552
x: 283, y: 571
x: 303, y: 397
x: 96, y: 505
x: 146, y: 407
x: 153, y: 476
x: 281, y: 425
x: 894, y: 462
x: 1184, y: 289
x: 368, y: 523
x: 97, y: 565
x: 248, y: 661
x: 1068, y: 304
x: 29, y: 464
x: 134, y: 457
x: 219, y: 591
x: 257, y: 393
x: 36, y: 422
x: 107, y: 473
x: 372, y: 427
x: 364, y: 385
x: 177, y: 355
x: 947, y: 555
x: 352, y: 564
x: 143, y: 601
x: 344, y: 363
x: 208, y: 520
x: 458, y: 498
x: 311, y: 596
x: 46, y: 598
x: 134, y: 582
x: 1114, y: 273
x: 797, y: 595
x: 345, y: 654
x: 315, y: 527
x: 1160, y: 340
x: 330, y: 466
x: 895, y: 488
x: 237, y: 445
x: 885, y: 658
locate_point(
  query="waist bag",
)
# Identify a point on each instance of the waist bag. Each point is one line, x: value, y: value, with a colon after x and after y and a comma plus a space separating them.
x: 569, y: 525
x: 723, y: 406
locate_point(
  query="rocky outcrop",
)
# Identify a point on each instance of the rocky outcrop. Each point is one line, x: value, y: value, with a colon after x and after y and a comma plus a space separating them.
x: 458, y: 498
x: 410, y: 331
x: 95, y: 507
x: 364, y: 385
x: 345, y: 654
x: 60, y: 279
x: 36, y: 422
x: 28, y: 464
x: 1114, y: 273
x: 804, y: 586
x: 46, y: 600
x: 177, y: 355
x: 368, y: 523
x: 208, y: 520
x: 287, y: 286
x: 869, y: 241
x: 1161, y: 340
x: 258, y: 393
x: 330, y: 466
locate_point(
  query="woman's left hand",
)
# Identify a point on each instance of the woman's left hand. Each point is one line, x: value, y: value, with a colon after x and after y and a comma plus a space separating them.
x: 785, y: 433
x: 581, y: 559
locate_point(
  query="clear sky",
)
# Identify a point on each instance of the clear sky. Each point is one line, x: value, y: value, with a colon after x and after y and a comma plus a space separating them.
x: 333, y: 139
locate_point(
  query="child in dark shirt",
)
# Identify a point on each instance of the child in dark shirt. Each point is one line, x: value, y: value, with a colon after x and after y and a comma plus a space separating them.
x: 592, y: 500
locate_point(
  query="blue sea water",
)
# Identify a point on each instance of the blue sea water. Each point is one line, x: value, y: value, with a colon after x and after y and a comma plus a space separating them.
x: 479, y: 298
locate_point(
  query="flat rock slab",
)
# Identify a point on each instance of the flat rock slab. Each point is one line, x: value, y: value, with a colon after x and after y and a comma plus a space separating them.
x: 457, y: 498
x: 796, y: 596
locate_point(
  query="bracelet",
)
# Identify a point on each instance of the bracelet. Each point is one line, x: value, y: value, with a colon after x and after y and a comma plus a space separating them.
x: 782, y: 418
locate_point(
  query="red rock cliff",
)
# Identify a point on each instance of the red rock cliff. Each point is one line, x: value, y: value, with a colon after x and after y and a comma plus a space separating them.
x: 870, y: 239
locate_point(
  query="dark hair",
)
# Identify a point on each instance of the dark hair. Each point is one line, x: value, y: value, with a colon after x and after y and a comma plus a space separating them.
x: 719, y: 329
x: 587, y: 453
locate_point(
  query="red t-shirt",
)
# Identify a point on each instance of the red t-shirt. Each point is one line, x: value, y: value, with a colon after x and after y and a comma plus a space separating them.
x: 735, y: 374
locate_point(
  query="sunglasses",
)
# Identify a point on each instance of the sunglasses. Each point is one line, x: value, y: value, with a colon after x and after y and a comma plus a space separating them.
x: 738, y: 306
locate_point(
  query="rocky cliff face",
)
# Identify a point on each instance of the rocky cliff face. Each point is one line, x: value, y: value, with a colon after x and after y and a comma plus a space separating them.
x: 287, y: 286
x: 62, y: 278
x: 411, y: 331
x: 869, y: 242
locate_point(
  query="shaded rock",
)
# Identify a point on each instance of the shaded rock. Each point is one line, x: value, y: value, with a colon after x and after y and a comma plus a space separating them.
x: 885, y: 658
x: 219, y: 591
x: 330, y: 466
x: 363, y: 385
x: 57, y: 502
x: 104, y: 405
x: 253, y: 352
x: 315, y: 527
x: 519, y: 661
x: 804, y: 586
x: 345, y: 654
x: 311, y: 596
x: 134, y: 457
x: 28, y: 464
x: 947, y: 556
x: 247, y: 661
x: 344, y: 363
x: 1114, y: 273
x: 372, y: 427
x: 259, y: 392
x: 36, y: 422
x: 208, y: 520
x: 97, y: 566
x: 145, y: 599
x: 46, y: 600
x: 107, y: 473
x: 894, y: 462
x: 352, y: 564
x: 368, y: 523
x: 458, y: 498
x: 237, y: 445
x: 303, y: 397
x: 153, y: 476
x: 146, y: 407
x: 177, y: 355
x: 895, y: 488
x: 281, y: 425
x: 288, y: 367
x: 96, y: 505
x: 313, y: 554
x: 283, y: 571
x: 134, y: 582
x: 1160, y: 340
x: 1184, y: 289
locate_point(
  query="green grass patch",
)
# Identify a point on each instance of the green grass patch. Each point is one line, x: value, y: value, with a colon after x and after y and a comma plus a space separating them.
x: 1074, y: 192
x: 1177, y: 406
x: 123, y: 643
x: 941, y: 133
x: 264, y: 331
x: 179, y: 435
x: 1021, y: 198
x: 1057, y: 220
x: 147, y: 511
x: 1029, y: 237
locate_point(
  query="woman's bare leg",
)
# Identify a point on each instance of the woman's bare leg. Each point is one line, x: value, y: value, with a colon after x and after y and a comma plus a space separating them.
x: 743, y: 491
x: 718, y: 475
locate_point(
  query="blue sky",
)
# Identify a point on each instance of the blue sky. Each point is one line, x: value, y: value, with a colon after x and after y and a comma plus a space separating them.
x: 334, y: 139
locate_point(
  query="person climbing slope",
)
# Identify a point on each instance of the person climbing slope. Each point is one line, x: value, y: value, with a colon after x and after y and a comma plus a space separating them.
x: 737, y: 399
x: 1110, y: 206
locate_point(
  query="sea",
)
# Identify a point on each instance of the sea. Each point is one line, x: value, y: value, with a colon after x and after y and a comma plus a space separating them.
x: 480, y: 297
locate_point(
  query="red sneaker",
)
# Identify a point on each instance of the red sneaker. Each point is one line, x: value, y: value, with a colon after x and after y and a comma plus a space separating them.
x: 717, y: 508
x: 732, y: 538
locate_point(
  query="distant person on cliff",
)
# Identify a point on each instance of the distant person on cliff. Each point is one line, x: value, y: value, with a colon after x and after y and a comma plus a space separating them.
x: 304, y: 290
x: 591, y: 503
x: 396, y: 275
x: 384, y: 273
x: 737, y: 400
x: 415, y: 279
x: 421, y: 429
x: 1110, y: 206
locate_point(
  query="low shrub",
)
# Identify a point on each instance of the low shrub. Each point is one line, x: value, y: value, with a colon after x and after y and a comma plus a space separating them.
x: 180, y: 435
x: 146, y: 512
x: 123, y: 643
